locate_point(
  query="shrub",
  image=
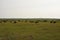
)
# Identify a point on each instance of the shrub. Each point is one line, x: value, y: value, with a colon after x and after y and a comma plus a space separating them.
x: 25, y: 20
x: 45, y: 21
x: 31, y: 21
x: 10, y: 21
x: 18, y: 20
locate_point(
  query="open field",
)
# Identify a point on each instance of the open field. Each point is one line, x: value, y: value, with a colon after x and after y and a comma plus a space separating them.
x: 29, y: 30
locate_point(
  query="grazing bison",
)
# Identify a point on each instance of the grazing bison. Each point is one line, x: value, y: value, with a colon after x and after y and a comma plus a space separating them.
x: 0, y: 21
x: 4, y: 21
x: 15, y: 22
x: 51, y: 21
x: 54, y: 22
x: 37, y: 21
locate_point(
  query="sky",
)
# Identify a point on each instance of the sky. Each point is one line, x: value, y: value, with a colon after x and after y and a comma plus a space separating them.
x: 29, y: 8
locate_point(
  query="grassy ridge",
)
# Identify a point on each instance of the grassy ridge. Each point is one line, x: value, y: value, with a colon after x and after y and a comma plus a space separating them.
x: 30, y: 31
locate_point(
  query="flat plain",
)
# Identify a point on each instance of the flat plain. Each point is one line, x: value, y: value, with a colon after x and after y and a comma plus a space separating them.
x: 29, y: 30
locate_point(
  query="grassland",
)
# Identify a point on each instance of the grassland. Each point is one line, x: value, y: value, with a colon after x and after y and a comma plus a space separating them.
x: 23, y: 30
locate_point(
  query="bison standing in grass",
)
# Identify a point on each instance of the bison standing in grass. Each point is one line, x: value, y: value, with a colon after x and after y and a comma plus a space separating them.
x: 4, y: 21
x: 15, y: 22
x: 37, y: 21
x: 52, y: 21
x: 0, y: 21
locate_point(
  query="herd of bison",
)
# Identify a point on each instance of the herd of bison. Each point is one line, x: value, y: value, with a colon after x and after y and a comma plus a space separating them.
x: 30, y: 21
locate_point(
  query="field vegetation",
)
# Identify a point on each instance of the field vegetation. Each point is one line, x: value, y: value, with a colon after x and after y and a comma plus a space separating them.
x: 29, y: 29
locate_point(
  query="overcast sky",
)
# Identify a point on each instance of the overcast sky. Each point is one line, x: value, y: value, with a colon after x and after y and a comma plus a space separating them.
x: 29, y: 8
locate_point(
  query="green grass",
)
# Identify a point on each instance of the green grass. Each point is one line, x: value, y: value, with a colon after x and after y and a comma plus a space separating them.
x: 30, y: 31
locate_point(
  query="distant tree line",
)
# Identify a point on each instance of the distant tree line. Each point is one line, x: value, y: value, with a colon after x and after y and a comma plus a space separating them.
x: 30, y: 21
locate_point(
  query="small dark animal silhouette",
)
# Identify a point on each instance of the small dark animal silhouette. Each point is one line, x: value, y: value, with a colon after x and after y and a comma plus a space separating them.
x: 54, y: 22
x: 37, y: 22
x: 15, y: 22
x: 51, y: 22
